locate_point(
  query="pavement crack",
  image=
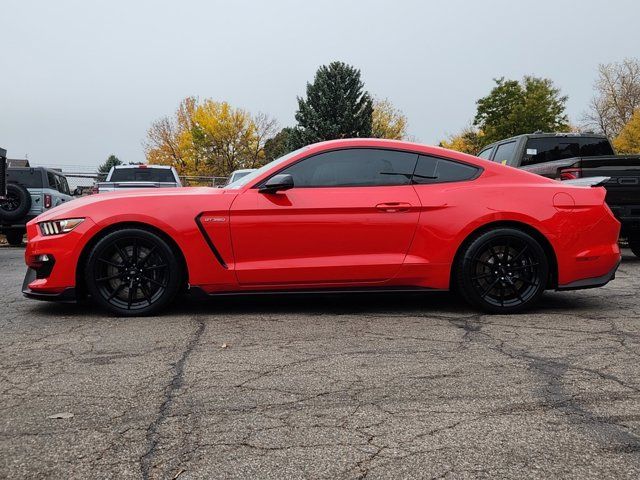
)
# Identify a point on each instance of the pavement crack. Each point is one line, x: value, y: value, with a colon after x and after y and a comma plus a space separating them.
x: 153, y: 430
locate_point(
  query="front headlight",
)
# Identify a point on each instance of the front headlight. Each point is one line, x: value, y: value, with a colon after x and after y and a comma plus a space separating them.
x: 57, y: 227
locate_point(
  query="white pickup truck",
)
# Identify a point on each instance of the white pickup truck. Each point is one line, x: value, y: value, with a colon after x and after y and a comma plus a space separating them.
x: 139, y: 176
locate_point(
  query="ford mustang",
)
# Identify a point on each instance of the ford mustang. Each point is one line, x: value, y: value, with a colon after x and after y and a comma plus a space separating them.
x: 344, y: 215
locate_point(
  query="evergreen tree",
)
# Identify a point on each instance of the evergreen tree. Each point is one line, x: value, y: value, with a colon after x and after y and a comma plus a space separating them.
x: 112, y: 161
x: 336, y: 107
x: 278, y: 145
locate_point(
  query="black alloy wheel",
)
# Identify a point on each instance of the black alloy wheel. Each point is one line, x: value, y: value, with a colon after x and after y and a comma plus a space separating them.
x: 503, y: 271
x: 132, y: 272
x: 11, y: 202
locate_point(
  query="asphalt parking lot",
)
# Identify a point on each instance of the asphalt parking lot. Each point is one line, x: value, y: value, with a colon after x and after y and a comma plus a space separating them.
x: 386, y: 386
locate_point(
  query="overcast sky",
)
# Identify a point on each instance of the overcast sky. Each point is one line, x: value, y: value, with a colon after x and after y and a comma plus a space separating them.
x: 80, y: 80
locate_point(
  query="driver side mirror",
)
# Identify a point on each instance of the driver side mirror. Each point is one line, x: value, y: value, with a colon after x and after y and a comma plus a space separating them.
x: 277, y: 183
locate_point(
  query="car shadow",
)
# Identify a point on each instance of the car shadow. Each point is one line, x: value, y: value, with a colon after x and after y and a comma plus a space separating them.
x: 392, y: 304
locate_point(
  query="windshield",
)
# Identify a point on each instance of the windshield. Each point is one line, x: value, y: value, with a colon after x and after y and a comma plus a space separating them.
x: 256, y: 173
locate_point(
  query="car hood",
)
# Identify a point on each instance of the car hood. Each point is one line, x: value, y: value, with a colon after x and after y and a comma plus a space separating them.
x: 83, y: 206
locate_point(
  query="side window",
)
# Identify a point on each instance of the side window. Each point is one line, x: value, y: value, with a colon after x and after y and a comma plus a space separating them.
x: 51, y: 177
x: 439, y: 170
x: 486, y: 153
x: 63, y: 185
x: 358, y: 167
x: 548, y: 149
x: 504, y: 153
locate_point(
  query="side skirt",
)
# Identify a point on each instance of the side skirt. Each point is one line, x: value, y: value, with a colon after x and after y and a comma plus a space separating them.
x: 199, y: 292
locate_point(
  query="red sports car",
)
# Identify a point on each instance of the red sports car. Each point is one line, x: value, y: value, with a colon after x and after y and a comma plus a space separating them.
x: 344, y: 215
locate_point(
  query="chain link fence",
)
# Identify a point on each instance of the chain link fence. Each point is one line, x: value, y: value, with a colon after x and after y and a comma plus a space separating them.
x: 83, y: 182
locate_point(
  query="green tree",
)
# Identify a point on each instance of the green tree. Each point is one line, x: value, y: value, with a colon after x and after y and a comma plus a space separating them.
x: 337, y: 106
x: 513, y: 108
x: 112, y: 161
x: 279, y: 144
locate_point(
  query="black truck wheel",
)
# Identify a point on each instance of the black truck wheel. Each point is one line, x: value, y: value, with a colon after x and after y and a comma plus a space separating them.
x: 14, y: 237
x: 634, y: 243
x: 16, y: 205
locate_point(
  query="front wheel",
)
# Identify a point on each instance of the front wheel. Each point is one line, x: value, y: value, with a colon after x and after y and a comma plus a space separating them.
x: 503, y: 270
x: 132, y: 272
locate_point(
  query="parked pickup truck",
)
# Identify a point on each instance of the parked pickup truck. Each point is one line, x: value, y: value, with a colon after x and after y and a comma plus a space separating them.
x: 568, y: 156
x: 139, y: 176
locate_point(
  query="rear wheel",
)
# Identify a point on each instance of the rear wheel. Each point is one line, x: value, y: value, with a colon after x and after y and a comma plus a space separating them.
x: 14, y: 237
x: 132, y: 272
x: 634, y: 243
x: 504, y: 270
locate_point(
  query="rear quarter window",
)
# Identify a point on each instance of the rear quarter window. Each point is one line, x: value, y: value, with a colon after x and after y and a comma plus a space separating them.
x: 439, y: 170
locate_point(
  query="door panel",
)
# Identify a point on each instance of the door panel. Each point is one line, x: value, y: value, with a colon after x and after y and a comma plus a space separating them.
x: 334, y: 235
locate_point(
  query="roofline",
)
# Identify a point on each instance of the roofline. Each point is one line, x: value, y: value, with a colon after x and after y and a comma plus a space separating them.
x: 548, y: 135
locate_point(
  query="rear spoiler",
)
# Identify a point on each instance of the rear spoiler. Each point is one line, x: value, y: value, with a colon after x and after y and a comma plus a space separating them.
x: 3, y: 173
x: 587, y: 182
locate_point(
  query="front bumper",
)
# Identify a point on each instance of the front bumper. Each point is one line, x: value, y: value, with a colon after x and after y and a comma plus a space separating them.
x: 591, y: 282
x: 67, y: 295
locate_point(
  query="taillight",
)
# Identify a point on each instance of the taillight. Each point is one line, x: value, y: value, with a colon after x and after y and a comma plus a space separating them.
x: 570, y: 173
x: 47, y: 201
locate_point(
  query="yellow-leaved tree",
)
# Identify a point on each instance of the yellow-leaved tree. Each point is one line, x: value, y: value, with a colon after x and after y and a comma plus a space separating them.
x: 209, y: 138
x: 388, y: 121
x: 628, y: 141
x: 468, y: 141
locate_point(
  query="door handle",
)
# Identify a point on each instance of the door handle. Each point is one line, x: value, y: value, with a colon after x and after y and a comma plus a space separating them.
x: 394, y: 207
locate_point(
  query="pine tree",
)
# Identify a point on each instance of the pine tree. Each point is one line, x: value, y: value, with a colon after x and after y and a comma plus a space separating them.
x: 112, y: 161
x: 336, y: 106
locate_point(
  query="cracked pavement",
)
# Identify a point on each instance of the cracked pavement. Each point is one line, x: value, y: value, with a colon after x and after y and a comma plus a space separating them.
x: 375, y: 386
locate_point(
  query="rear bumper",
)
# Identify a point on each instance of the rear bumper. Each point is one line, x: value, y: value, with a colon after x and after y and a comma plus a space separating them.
x: 591, y: 282
x: 67, y: 295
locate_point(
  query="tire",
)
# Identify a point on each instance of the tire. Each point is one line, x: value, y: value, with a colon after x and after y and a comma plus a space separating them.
x: 14, y: 237
x: 17, y: 204
x: 503, y: 270
x: 132, y: 272
x: 634, y: 244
